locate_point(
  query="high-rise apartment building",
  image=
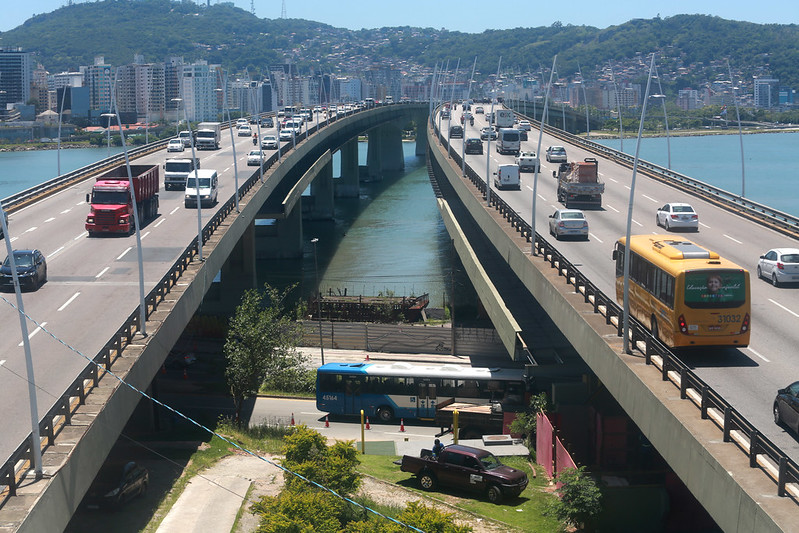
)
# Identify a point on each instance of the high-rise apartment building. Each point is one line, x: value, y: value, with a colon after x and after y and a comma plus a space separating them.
x: 16, y: 76
x: 198, y: 91
x: 766, y: 91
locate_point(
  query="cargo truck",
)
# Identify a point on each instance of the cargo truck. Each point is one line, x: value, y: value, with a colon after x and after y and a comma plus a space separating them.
x: 579, y: 185
x: 208, y: 135
x: 177, y: 169
x: 112, y: 204
x: 185, y: 137
x: 504, y: 118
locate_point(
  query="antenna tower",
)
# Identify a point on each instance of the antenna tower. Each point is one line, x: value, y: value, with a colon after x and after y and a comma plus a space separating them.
x: 252, y: 7
x: 283, y: 10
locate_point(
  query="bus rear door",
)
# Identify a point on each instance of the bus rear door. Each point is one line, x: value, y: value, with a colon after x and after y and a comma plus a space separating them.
x: 426, y: 402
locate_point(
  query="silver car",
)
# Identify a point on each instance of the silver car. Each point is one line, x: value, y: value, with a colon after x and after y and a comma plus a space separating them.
x: 780, y: 265
x: 677, y: 215
x: 568, y: 222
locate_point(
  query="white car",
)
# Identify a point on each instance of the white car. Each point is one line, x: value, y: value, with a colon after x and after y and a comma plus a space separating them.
x: 677, y: 215
x: 287, y: 134
x: 780, y: 265
x: 568, y: 222
x: 524, y: 125
x: 556, y: 154
x: 241, y: 122
x: 245, y: 130
x: 174, y: 145
x: 268, y: 142
x: 254, y: 158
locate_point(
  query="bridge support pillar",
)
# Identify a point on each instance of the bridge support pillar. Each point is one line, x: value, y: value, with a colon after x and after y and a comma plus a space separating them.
x: 279, y: 238
x: 385, y: 150
x: 347, y: 185
x: 238, y: 271
x: 421, y: 134
x: 322, y: 193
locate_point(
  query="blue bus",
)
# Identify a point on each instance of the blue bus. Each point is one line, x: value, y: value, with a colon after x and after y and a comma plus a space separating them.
x: 412, y: 390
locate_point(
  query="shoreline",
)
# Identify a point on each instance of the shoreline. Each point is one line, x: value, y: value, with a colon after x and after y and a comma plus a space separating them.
x: 39, y: 147
x: 693, y: 133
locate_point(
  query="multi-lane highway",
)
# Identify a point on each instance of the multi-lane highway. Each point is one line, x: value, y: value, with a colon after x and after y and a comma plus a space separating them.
x: 92, y: 282
x: 749, y: 377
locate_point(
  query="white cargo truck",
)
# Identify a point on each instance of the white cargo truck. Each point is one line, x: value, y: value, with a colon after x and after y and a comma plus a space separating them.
x: 208, y: 135
x: 507, y: 177
x: 504, y: 118
x: 177, y: 169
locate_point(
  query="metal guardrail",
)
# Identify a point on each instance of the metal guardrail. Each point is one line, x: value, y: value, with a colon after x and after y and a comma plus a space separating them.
x: 13, y: 471
x: 735, y: 427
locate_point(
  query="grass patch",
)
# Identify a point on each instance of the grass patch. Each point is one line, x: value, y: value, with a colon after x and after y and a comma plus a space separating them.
x: 283, y: 394
x: 524, y: 513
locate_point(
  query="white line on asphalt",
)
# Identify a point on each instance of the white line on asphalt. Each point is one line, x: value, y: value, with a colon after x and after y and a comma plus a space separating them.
x: 650, y: 198
x: 160, y: 222
x: 2, y: 362
x: 595, y: 237
x: 638, y: 223
x: 81, y: 235
x: 733, y: 240
x: 14, y: 239
x: 611, y: 208
x: 627, y: 187
x: 174, y: 210
x: 407, y: 434
x: 783, y: 307
x: 34, y: 228
x: 65, y: 211
x: 69, y: 301
x: 146, y: 234
x: 103, y: 271
x: 614, y: 181
x: 52, y: 254
x: 704, y: 225
x: 49, y: 220
x: 34, y: 332
x: 757, y: 354
x: 529, y: 187
x: 81, y: 202
x: 228, y: 168
x: 123, y: 253
x: 542, y: 198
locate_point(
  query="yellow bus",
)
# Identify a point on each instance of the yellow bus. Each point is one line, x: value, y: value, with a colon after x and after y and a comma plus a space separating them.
x: 686, y: 294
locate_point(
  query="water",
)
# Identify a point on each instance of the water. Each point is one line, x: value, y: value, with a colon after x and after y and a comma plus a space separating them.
x: 716, y: 159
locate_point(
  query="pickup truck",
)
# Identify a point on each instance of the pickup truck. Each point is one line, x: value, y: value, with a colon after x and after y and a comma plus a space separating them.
x: 528, y: 161
x: 465, y: 467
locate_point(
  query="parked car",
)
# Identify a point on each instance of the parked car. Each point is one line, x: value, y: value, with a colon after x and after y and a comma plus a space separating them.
x: 486, y: 132
x: 268, y: 142
x: 568, y: 222
x: 456, y: 132
x: 31, y: 270
x: 556, y: 154
x: 174, y: 145
x: 245, y: 130
x: 474, y: 146
x: 780, y: 265
x: 677, y: 215
x: 255, y: 158
x: 109, y: 489
x: 786, y: 406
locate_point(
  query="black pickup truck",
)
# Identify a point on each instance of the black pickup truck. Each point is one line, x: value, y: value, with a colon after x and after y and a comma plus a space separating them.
x: 466, y: 468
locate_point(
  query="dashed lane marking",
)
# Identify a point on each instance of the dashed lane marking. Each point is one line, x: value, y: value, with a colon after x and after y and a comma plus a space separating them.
x: 34, y: 332
x: 71, y: 299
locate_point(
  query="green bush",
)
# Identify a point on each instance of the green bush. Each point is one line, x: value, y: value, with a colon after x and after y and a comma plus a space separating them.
x: 307, y: 453
x: 580, y: 498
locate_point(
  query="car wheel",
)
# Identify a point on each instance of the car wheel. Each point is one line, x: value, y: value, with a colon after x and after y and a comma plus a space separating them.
x: 774, y: 280
x: 427, y: 481
x: 385, y: 414
x: 494, y: 494
x: 668, y: 225
x: 657, y: 220
x: 759, y: 272
x: 44, y: 280
x: 777, y: 419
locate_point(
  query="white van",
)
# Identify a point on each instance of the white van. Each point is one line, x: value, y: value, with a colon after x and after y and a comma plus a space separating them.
x: 507, y: 177
x: 208, y: 188
x: 508, y: 141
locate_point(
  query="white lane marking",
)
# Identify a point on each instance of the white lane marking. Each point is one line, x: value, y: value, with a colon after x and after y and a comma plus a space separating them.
x: 123, y: 253
x: 160, y: 222
x: 627, y: 187
x: 650, y: 198
x: 52, y: 254
x: 638, y: 223
x: 783, y: 307
x: 529, y: 187
x: 34, y: 332
x: 81, y: 235
x: 81, y: 202
x: 614, y: 181
x: 2, y: 362
x: 65, y: 211
x: 174, y: 210
x: 228, y: 168
x: 14, y: 239
x: 542, y: 198
x: 34, y: 228
x: 595, y: 237
x: 103, y: 271
x: 72, y: 298
x: 704, y: 225
x: 611, y: 208
x: 757, y: 354
x: 733, y: 240
x: 49, y: 220
x: 146, y: 234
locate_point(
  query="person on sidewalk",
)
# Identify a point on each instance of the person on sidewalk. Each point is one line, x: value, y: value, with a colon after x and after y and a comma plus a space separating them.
x: 437, y: 447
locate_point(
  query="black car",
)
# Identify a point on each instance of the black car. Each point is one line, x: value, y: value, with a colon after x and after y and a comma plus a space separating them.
x: 267, y: 122
x: 456, y: 132
x: 110, y: 489
x: 522, y: 135
x: 786, y: 406
x: 31, y: 270
x: 474, y: 146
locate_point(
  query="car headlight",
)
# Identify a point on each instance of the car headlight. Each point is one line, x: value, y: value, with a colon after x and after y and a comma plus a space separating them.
x: 90, y: 220
x: 113, y: 493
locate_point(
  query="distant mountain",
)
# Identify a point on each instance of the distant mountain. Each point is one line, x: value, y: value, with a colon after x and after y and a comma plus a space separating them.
x: 693, y: 48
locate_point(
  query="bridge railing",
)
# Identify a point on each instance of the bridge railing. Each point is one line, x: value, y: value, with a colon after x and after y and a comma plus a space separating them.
x: 762, y: 453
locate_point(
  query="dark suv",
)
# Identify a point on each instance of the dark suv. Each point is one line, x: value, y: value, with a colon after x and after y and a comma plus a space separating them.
x: 31, y: 270
x: 474, y: 146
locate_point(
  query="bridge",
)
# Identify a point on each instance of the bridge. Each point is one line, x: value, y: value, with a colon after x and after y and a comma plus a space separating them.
x: 85, y: 420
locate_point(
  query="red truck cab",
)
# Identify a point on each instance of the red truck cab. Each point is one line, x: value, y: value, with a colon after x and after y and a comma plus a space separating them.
x: 111, y: 202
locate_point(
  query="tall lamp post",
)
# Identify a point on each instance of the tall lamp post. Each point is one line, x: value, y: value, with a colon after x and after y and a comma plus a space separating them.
x: 740, y: 133
x: 177, y: 115
x: 232, y: 140
x: 618, y: 108
x: 108, y: 116
x: 60, y: 113
x: 585, y: 103
x: 533, y: 250
x: 318, y: 300
x: 662, y: 97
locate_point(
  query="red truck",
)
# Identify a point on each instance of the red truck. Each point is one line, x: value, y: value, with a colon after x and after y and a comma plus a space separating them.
x: 111, y: 202
x: 465, y: 467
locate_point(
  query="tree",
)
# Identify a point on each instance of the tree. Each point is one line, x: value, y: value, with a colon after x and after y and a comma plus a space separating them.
x: 261, y: 341
x: 307, y: 453
x: 580, y: 497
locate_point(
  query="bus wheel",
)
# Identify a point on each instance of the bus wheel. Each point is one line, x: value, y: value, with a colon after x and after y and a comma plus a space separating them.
x: 654, y: 328
x: 384, y: 414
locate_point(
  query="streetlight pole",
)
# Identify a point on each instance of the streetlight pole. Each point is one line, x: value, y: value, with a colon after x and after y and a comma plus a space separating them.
x: 318, y: 300
x: 488, y: 142
x: 585, y: 103
x: 60, y: 113
x: 626, y: 320
x: 533, y: 250
x: 232, y: 140
x: 740, y: 133
x: 618, y: 108
x: 662, y: 98
x: 177, y: 116
x: 468, y: 96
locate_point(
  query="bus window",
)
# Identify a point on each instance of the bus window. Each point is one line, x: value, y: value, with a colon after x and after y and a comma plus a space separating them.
x: 331, y: 382
x: 447, y: 387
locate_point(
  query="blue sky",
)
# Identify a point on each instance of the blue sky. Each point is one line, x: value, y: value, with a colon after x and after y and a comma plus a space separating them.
x: 468, y: 15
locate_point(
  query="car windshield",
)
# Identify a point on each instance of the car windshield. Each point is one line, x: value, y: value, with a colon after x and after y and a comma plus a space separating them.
x: 682, y: 209
x: 571, y: 216
x: 110, y: 197
x: 255, y: 153
x: 178, y: 167
x: 22, y: 259
x: 490, y: 462
x: 204, y: 183
x: 790, y: 258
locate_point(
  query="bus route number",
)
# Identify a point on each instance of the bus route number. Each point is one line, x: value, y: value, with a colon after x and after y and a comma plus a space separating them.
x: 330, y: 398
x: 728, y: 319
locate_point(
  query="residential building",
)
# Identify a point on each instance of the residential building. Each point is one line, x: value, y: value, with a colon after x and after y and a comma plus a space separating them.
x: 766, y: 91
x: 16, y: 76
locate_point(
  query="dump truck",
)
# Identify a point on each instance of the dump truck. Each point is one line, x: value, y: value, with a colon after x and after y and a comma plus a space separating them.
x: 208, y: 135
x: 111, y: 201
x: 579, y: 185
